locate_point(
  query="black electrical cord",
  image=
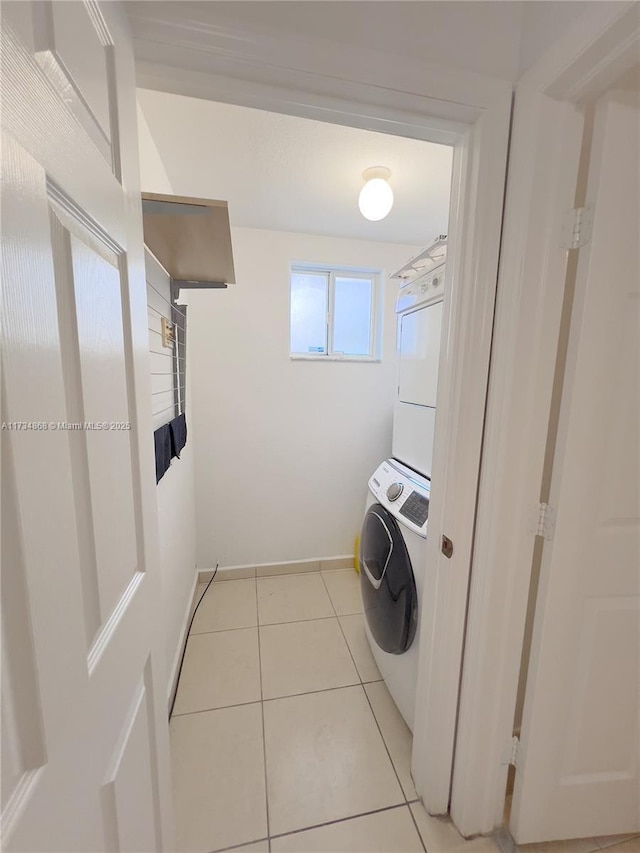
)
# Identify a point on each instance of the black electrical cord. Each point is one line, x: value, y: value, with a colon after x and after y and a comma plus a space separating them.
x: 184, y: 650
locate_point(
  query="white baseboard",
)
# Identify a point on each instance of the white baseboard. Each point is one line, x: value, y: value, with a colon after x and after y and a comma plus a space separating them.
x: 173, y: 680
x: 260, y: 570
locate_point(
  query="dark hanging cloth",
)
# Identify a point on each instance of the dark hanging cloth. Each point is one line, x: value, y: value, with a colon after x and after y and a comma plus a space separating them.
x: 178, y: 434
x: 162, y: 441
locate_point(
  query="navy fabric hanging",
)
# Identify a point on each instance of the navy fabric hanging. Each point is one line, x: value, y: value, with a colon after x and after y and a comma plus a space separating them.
x: 162, y: 442
x: 178, y: 428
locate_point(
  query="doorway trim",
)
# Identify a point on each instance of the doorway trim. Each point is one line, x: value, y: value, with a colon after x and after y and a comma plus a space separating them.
x: 472, y: 114
x: 542, y: 182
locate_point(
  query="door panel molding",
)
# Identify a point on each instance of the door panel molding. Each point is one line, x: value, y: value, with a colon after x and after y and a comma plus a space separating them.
x: 73, y: 249
x: 69, y: 153
x: 72, y: 46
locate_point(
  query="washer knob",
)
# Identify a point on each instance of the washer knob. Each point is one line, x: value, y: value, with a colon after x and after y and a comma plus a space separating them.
x: 394, y: 491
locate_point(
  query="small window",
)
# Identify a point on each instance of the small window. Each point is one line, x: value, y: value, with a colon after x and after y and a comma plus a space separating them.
x: 333, y: 314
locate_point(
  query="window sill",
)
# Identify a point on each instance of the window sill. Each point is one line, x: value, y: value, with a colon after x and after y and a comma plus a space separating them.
x: 357, y: 359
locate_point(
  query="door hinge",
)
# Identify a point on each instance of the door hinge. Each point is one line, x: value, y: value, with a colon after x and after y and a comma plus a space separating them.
x: 510, y: 754
x: 544, y: 522
x: 577, y: 227
x: 515, y: 743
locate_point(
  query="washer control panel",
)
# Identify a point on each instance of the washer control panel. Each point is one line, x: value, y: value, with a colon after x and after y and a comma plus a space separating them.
x: 404, y: 493
x: 416, y: 508
x: 394, y: 491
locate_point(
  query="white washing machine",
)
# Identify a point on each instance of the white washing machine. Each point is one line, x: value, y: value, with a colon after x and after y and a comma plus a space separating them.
x: 392, y: 576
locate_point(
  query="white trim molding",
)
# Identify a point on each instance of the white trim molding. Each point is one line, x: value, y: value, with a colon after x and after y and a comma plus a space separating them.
x: 543, y: 167
x: 476, y: 210
x: 313, y: 77
x: 472, y: 113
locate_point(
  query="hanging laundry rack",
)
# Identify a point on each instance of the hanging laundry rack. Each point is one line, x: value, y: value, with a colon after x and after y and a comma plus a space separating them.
x: 431, y: 256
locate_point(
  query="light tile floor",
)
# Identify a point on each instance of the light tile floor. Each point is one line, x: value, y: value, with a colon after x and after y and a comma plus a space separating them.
x: 285, y: 739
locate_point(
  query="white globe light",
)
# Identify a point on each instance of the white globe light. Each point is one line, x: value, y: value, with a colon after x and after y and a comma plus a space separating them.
x: 376, y: 196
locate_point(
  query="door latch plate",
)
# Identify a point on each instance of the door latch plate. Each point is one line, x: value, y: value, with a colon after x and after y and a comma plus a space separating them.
x: 447, y: 547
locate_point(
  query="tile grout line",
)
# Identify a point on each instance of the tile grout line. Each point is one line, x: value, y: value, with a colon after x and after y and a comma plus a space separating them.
x: 264, y: 735
x: 366, y: 696
x: 404, y: 793
x: 268, y: 624
x: 319, y: 825
x: 310, y: 619
x: 344, y: 636
x: 263, y: 700
x: 368, y: 814
x: 339, y: 820
x: 312, y: 692
x: 223, y: 579
x: 277, y: 698
x: 222, y: 630
x: 242, y: 843
x: 407, y: 803
x: 220, y: 708
x: 415, y: 823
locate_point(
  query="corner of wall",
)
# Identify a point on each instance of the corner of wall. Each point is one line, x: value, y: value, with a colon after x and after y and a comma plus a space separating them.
x: 544, y: 25
x: 175, y: 493
x: 154, y: 177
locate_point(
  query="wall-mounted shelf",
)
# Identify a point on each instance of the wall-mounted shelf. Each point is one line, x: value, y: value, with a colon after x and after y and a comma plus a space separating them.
x: 190, y: 237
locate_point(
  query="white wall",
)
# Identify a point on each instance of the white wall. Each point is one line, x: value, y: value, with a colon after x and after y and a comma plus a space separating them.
x: 153, y: 175
x: 176, y: 520
x: 175, y: 492
x: 544, y: 23
x: 283, y: 449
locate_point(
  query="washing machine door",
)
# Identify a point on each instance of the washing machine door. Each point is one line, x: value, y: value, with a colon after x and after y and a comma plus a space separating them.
x: 388, y: 587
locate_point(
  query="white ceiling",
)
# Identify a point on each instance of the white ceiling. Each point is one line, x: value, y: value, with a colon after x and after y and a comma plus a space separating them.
x: 496, y: 38
x: 473, y: 35
x: 482, y: 36
x: 292, y: 174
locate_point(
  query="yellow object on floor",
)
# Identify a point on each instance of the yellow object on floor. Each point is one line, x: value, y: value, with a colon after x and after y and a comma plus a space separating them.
x: 356, y: 554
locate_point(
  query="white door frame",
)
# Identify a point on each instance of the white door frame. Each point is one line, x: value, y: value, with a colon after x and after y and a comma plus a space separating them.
x: 545, y: 152
x: 473, y: 114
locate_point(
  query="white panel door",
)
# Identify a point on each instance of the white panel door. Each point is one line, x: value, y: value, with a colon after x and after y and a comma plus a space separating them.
x: 85, y: 756
x: 420, y: 355
x: 577, y: 771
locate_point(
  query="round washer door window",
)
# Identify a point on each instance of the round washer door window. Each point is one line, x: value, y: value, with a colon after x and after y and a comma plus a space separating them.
x: 388, y: 586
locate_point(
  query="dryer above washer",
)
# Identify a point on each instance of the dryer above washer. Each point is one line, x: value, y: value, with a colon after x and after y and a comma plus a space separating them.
x: 425, y: 288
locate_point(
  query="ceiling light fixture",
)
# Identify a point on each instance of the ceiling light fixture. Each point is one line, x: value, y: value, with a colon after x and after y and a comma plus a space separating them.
x: 376, y: 196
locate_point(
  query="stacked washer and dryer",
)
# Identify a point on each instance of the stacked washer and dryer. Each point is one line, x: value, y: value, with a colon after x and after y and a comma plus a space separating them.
x: 394, y: 579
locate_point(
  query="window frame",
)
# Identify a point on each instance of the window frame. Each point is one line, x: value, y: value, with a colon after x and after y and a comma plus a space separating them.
x: 375, y: 326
